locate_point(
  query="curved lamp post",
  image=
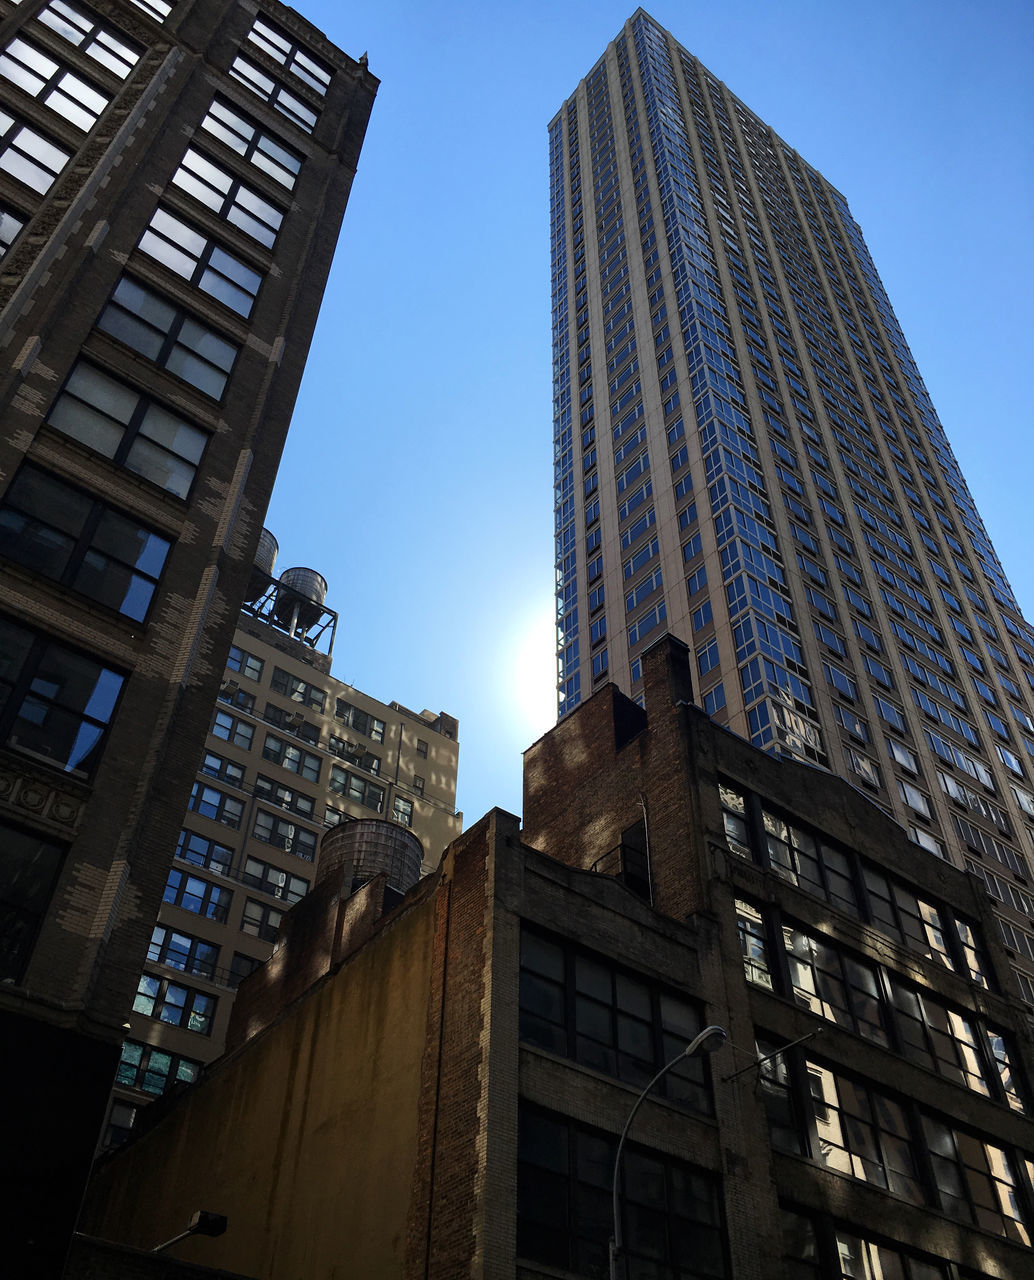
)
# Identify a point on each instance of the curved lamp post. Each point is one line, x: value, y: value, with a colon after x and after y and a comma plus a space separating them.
x: 709, y: 1039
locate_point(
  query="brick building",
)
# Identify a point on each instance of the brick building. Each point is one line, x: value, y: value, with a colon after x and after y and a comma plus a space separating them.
x: 434, y: 1088
x: 172, y: 179
x: 291, y: 751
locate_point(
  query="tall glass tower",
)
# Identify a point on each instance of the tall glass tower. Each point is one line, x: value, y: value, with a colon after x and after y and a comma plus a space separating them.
x: 746, y: 456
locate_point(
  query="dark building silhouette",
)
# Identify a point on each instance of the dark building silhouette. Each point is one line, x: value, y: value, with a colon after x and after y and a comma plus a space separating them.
x: 172, y: 181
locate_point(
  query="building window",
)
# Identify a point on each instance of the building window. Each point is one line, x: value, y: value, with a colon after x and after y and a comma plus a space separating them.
x: 111, y: 51
x: 834, y: 985
x: 74, y: 99
x: 201, y: 261
x: 418, y: 784
x: 354, y: 754
x: 583, y: 1007
x: 231, y: 729
x: 402, y: 811
x: 421, y: 748
x: 192, y: 893
x: 169, y: 336
x: 260, y: 921
x: 292, y: 758
x: 361, y: 790
x: 240, y: 966
x: 270, y: 879
x: 153, y: 1070
x: 273, y: 92
x: 248, y: 139
x: 215, y: 766
x: 841, y: 1252
x: 228, y: 197
x: 29, y: 156
x: 217, y: 805
x: 246, y: 664
x: 362, y: 722
x: 292, y: 722
x: 285, y: 835
x: 11, y: 226
x: 64, y: 534
x: 975, y: 1180
x: 291, y: 55
x: 284, y: 797
x: 55, y: 703
x: 183, y: 952
x: 122, y: 424
x: 29, y: 868
x: 201, y: 852
x: 179, y: 1006
x: 121, y: 1119
x: 670, y: 1209
x: 231, y: 692
x: 297, y: 690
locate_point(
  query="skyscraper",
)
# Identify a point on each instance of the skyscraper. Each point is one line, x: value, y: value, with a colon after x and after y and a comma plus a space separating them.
x: 172, y: 180
x: 746, y: 456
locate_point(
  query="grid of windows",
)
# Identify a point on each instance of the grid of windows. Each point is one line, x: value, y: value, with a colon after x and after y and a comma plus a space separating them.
x: 250, y: 140
x: 177, y: 1005
x: 201, y: 261
x: 74, y: 99
x: 113, y: 52
x: 229, y: 197
x: 55, y: 703
x: 291, y: 55
x: 274, y: 92
x: 182, y: 951
x: 126, y: 426
x: 582, y: 1006
x: 66, y: 535
x: 671, y: 1213
x: 154, y: 1070
x: 169, y: 336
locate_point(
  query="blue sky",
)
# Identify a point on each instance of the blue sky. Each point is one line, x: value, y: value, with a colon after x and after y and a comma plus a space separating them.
x: 418, y: 472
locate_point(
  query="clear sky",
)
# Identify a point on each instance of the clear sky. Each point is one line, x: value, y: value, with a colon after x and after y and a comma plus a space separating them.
x: 418, y: 472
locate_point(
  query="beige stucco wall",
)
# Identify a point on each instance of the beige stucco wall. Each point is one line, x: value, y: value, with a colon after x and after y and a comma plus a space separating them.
x: 313, y: 1122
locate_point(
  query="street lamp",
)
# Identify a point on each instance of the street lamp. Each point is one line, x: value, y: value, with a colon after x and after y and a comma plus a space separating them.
x: 709, y: 1039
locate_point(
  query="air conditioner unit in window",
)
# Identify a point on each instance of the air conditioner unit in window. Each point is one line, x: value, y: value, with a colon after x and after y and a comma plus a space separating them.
x: 295, y: 720
x: 229, y: 687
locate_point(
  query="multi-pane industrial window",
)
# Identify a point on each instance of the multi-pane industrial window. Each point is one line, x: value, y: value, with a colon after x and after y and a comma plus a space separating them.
x: 195, y: 894
x: 170, y: 337
x: 245, y: 663
x: 583, y: 1007
x: 122, y: 424
x: 285, y: 835
x: 284, y: 797
x: 361, y: 790
x: 28, y: 156
x: 261, y: 921
x: 230, y: 729
x: 227, y: 196
x: 113, y: 52
x: 30, y: 868
x: 153, y: 1070
x: 178, y: 1006
x: 55, y: 702
x: 262, y: 875
x: 842, y: 1254
x: 293, y: 758
x: 291, y: 55
x: 217, y: 805
x: 671, y: 1211
x: 297, y: 690
x: 248, y: 139
x: 833, y: 875
x: 867, y: 1134
x: 201, y: 261
x: 199, y: 851
x: 64, y: 534
x: 75, y: 100
x: 159, y: 10
x: 877, y: 1004
x: 273, y: 92
x: 181, y: 951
